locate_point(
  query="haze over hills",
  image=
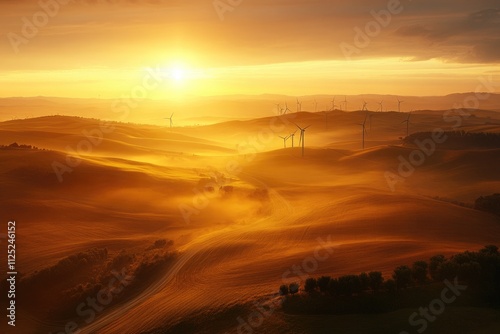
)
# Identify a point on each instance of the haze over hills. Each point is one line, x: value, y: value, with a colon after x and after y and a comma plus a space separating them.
x: 192, y: 110
x: 237, y: 218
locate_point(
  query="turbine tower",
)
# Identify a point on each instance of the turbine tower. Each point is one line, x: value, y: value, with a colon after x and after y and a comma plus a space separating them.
x: 278, y: 106
x: 284, y: 140
x: 299, y: 106
x: 302, y: 136
x: 381, y: 103
x: 345, y: 101
x: 399, y: 105
x: 333, y: 103
x: 407, y: 121
x: 286, y: 108
x: 363, y: 125
x: 170, y: 119
x: 292, y: 135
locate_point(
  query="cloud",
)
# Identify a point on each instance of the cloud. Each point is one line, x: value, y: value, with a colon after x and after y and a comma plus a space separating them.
x: 470, y: 37
x: 141, y: 32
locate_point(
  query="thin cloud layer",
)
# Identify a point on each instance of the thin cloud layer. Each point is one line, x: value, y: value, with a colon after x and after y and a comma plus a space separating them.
x: 133, y: 34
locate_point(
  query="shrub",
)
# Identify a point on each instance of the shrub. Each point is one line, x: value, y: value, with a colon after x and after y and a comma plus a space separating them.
x: 489, y: 204
x: 293, y: 288
x: 284, y: 290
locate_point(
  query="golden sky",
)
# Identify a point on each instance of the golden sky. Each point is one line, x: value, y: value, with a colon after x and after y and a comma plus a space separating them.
x: 85, y: 48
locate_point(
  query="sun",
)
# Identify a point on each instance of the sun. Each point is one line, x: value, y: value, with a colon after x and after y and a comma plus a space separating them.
x: 177, y: 74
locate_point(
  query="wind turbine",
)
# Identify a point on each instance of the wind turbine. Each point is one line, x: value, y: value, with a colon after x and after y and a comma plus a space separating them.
x: 286, y: 108
x: 170, y: 118
x: 284, y: 140
x: 333, y: 103
x: 278, y: 106
x: 292, y: 135
x: 381, y: 103
x: 364, y: 106
x: 299, y: 106
x: 315, y: 105
x: 364, y: 129
x: 399, y: 105
x: 407, y: 121
x: 345, y: 101
x: 302, y: 136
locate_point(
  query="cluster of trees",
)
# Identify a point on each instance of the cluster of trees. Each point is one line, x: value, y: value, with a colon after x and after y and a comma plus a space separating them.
x: 70, y: 265
x: 343, y: 286
x: 16, y: 146
x: 479, y: 270
x: 489, y: 204
x: 459, y: 139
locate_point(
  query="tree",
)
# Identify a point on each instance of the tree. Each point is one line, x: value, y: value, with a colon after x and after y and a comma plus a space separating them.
x: 364, y: 281
x: 310, y: 285
x: 293, y: 288
x: 390, y: 285
x: 490, y: 249
x: 402, y: 276
x: 435, y: 262
x: 323, y: 283
x: 349, y: 284
x: 488, y: 203
x: 419, y: 271
x: 376, y: 280
x: 284, y: 290
x: 333, y: 287
x: 448, y: 270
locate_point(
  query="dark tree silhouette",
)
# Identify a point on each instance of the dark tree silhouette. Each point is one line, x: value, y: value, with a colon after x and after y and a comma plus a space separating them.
x: 448, y: 270
x: 293, y: 288
x: 419, y: 271
x: 323, y: 283
x: 349, y: 285
x: 310, y: 285
x: 402, y: 276
x: 489, y: 204
x: 390, y: 285
x: 376, y: 280
x: 435, y: 262
x: 284, y: 290
x: 490, y: 249
x: 364, y: 281
x: 333, y: 287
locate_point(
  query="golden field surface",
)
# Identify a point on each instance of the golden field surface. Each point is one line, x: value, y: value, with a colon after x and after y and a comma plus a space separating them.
x: 238, y: 212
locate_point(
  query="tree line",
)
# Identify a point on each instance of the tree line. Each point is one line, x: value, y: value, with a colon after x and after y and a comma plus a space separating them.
x: 373, y: 292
